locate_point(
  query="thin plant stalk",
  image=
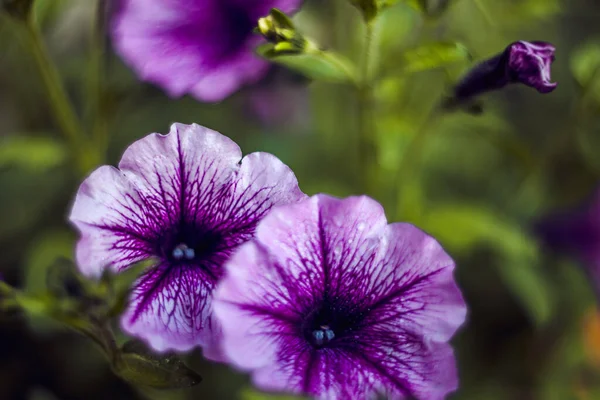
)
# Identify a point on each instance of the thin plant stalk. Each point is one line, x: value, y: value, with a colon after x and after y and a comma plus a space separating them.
x: 367, y: 151
x: 58, y: 99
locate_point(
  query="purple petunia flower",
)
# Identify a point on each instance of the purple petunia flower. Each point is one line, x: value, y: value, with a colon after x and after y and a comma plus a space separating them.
x: 200, y: 47
x: 189, y: 199
x: 330, y: 301
x: 577, y: 233
x: 522, y: 62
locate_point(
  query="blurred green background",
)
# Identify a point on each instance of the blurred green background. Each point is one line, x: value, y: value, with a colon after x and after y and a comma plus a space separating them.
x: 477, y: 183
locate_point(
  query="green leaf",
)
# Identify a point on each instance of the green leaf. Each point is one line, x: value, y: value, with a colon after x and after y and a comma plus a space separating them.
x: 315, y: 64
x: 42, y: 254
x: 33, y: 153
x: 460, y: 227
x: 434, y: 55
x: 119, y: 285
x: 393, y: 33
x: 529, y: 284
x: 138, y: 365
x: 282, y: 20
x: 64, y: 281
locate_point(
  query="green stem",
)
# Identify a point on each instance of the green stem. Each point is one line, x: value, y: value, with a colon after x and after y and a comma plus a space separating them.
x: 337, y: 62
x: 366, y: 150
x: 96, y: 78
x: 58, y: 99
x: 410, y: 163
x: 486, y: 15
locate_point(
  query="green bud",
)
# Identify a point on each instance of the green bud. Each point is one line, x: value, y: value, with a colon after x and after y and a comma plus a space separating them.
x: 280, y: 31
x: 276, y: 26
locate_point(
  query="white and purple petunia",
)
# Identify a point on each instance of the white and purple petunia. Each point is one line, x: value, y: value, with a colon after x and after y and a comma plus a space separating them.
x: 521, y: 62
x: 200, y: 47
x: 330, y: 301
x: 187, y: 198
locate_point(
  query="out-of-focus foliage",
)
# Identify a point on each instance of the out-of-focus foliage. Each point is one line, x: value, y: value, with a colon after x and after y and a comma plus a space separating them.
x: 476, y: 182
x: 432, y: 56
x: 585, y: 66
x: 138, y: 365
x: 31, y: 153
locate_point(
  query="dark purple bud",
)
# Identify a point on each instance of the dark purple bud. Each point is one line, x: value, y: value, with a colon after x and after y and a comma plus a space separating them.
x: 529, y: 63
x: 521, y: 62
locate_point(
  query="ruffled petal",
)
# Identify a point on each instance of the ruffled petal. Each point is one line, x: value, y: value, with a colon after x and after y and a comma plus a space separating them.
x: 261, y: 182
x: 116, y: 223
x: 170, y: 308
x: 123, y: 214
x: 322, y: 243
x: 413, y: 286
x: 530, y: 64
x: 255, y: 313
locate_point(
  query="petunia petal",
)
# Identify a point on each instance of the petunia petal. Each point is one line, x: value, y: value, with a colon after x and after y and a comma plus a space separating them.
x: 115, y: 222
x: 183, y: 171
x: 170, y: 308
x: 414, y: 288
x: 331, y: 375
x: 408, y: 364
x: 530, y: 64
x: 324, y: 242
x: 261, y: 182
x: 403, y: 374
x: 256, y: 313
x: 122, y: 214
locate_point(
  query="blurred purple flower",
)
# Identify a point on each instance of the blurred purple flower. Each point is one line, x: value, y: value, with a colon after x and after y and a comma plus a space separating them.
x: 189, y: 199
x: 522, y: 62
x: 281, y: 99
x: 201, y: 47
x: 331, y: 301
x: 577, y: 233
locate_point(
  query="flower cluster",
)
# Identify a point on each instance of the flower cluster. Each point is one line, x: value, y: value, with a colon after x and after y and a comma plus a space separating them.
x: 311, y: 295
x: 314, y: 295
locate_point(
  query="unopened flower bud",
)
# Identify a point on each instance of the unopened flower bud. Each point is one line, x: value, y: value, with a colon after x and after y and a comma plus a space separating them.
x: 521, y: 62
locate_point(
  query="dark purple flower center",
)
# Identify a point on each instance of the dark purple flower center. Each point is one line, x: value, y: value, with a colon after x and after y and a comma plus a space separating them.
x: 234, y: 33
x: 331, y: 325
x: 220, y: 38
x: 188, y: 243
x: 322, y: 335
